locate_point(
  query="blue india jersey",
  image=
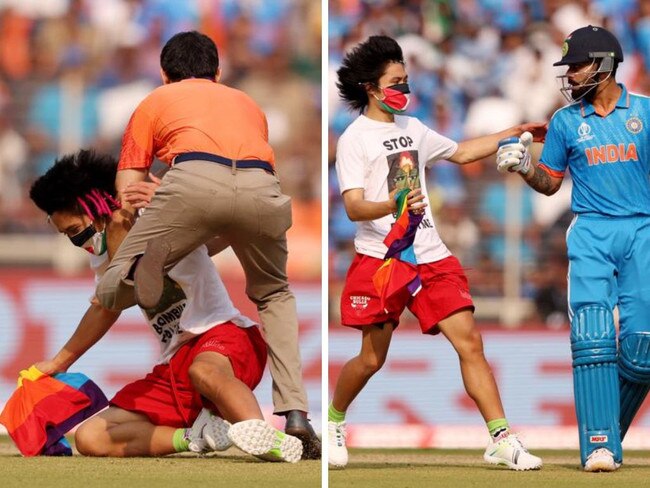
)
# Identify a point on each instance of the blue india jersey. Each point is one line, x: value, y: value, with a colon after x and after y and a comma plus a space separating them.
x: 608, y: 157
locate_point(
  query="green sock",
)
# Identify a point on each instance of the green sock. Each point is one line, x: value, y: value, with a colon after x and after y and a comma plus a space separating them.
x: 180, y: 442
x: 333, y: 415
x: 497, y: 426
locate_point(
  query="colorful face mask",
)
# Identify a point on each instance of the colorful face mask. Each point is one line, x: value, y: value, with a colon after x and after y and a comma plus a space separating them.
x: 396, y: 98
x: 92, y: 241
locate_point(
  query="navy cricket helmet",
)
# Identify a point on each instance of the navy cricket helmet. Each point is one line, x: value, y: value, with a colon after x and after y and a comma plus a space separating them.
x: 588, y: 44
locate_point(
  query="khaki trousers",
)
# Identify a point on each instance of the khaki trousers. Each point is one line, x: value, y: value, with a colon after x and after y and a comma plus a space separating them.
x: 198, y: 200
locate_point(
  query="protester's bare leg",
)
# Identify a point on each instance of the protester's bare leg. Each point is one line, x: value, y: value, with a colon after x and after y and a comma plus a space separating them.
x: 212, y: 376
x: 460, y: 329
x: 358, y: 370
x: 119, y: 433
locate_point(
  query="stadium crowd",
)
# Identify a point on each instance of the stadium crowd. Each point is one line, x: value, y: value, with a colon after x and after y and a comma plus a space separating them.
x: 476, y: 66
x: 72, y: 72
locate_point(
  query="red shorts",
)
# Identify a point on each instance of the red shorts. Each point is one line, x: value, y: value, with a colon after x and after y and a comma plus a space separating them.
x: 176, y: 403
x: 444, y: 291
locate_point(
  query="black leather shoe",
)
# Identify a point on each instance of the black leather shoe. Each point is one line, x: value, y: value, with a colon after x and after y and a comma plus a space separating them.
x: 298, y: 425
x: 149, y: 273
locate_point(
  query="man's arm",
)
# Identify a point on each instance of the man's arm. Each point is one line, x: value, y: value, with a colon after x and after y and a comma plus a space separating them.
x: 359, y: 209
x: 95, y: 323
x: 124, y: 217
x: 540, y: 181
x: 482, y: 147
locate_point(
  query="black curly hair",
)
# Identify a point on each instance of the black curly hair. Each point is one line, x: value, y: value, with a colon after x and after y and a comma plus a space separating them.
x: 83, y: 182
x: 366, y: 63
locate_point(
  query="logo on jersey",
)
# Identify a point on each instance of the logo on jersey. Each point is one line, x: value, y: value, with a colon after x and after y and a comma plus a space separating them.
x: 634, y: 125
x: 611, y: 153
x: 359, y: 302
x: 464, y: 294
x: 584, y: 131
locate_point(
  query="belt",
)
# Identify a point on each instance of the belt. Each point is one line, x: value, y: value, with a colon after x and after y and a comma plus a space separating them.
x: 233, y: 163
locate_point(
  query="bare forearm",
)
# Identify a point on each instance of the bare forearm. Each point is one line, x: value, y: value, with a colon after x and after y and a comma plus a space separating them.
x: 362, y: 210
x: 94, y: 324
x: 540, y: 181
x: 123, y: 218
x: 481, y: 147
x: 117, y: 229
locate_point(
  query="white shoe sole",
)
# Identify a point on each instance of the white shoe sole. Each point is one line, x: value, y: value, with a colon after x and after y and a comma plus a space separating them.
x: 515, y: 467
x: 291, y: 448
x: 256, y: 437
x: 601, y: 466
x: 215, y: 434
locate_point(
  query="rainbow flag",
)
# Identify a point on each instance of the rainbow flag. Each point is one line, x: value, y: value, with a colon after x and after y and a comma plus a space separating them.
x: 399, y: 270
x: 44, y: 408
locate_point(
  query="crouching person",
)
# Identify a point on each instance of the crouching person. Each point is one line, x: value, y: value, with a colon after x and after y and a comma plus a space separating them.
x: 199, y: 397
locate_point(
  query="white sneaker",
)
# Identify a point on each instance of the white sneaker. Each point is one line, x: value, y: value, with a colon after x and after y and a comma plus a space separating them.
x: 215, y: 433
x: 507, y: 449
x: 601, y: 460
x: 208, y: 433
x: 258, y: 438
x: 337, y: 453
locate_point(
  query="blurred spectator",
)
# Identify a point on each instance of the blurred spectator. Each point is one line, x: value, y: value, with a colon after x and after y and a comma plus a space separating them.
x: 63, y: 114
x: 496, y: 210
x: 459, y: 232
x: 551, y: 292
x: 13, y: 157
x: 124, y: 87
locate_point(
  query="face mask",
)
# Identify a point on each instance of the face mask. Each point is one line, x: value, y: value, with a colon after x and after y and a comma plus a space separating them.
x: 92, y: 241
x: 396, y: 98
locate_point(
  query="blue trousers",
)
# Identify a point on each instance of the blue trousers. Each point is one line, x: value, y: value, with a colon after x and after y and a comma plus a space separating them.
x: 609, y: 264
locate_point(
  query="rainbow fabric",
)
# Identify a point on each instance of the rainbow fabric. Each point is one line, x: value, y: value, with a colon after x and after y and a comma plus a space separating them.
x: 43, y: 408
x: 399, y: 270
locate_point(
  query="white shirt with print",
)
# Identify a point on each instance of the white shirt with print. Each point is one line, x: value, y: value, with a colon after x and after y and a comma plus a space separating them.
x: 374, y: 156
x: 194, y: 301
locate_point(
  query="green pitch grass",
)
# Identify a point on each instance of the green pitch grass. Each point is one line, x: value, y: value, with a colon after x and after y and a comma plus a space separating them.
x: 416, y: 468
x: 231, y: 469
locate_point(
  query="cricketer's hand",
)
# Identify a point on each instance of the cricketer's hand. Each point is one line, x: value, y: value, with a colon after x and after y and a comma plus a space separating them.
x: 513, y: 155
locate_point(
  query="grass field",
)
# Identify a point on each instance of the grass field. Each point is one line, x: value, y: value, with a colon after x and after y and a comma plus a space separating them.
x: 411, y: 468
x: 372, y: 468
x: 230, y: 469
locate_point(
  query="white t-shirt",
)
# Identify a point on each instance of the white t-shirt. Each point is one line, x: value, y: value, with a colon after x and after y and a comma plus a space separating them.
x: 194, y: 301
x: 375, y: 156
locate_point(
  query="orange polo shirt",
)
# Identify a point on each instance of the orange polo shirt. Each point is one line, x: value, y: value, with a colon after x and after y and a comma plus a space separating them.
x: 195, y: 115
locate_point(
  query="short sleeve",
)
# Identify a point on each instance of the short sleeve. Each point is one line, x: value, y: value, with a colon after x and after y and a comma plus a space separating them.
x: 554, y: 154
x: 436, y: 147
x: 138, y: 141
x: 350, y: 160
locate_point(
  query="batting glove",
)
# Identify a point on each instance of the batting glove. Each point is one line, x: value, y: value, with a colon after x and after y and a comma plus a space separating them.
x: 513, y: 155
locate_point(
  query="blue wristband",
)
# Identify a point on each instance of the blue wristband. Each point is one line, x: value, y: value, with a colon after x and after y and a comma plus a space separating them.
x: 508, y: 140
